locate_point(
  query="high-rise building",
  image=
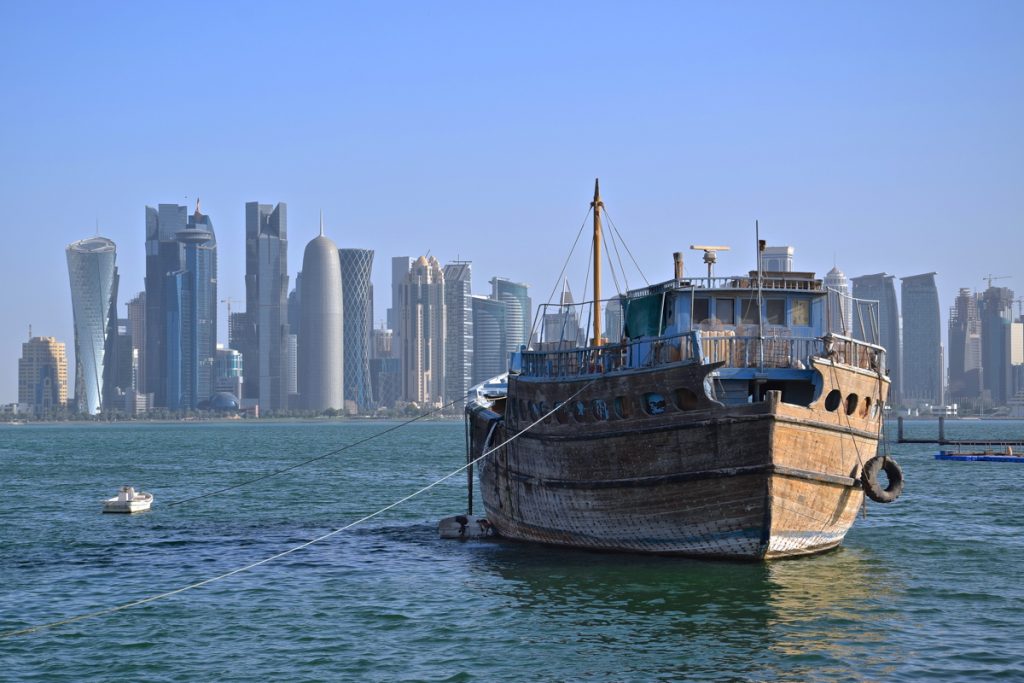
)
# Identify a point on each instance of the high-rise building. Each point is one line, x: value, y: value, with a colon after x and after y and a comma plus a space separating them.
x: 292, y: 369
x: 490, y: 338
x: 777, y: 259
x: 190, y: 306
x: 92, y: 271
x: 321, y: 349
x: 518, y: 312
x: 163, y: 255
x: 458, y: 345
x: 561, y: 325
x: 613, y: 322
x: 840, y: 305
x: 228, y: 371
x: 266, y: 304
x: 357, y: 294
x: 922, y: 340
x: 964, y: 348
x: 423, y: 332
x: 996, y: 313
x: 43, y: 375
x: 137, y: 331
x: 882, y: 288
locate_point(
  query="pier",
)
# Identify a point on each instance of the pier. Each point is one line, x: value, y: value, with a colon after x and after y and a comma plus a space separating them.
x: 943, y: 441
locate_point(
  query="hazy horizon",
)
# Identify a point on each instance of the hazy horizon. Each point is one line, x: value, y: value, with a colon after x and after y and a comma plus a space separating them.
x: 874, y: 136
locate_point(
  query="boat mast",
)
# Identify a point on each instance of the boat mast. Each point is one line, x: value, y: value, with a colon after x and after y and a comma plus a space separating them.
x: 597, y: 205
x: 760, y: 313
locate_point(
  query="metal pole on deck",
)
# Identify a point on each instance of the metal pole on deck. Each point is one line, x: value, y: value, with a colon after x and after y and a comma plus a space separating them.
x: 942, y: 429
x: 469, y: 470
x: 899, y: 429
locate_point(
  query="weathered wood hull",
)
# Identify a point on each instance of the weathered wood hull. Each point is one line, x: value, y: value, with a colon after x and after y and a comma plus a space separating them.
x: 754, y: 481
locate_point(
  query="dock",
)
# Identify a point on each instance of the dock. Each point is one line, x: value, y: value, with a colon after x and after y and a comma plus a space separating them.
x: 943, y: 441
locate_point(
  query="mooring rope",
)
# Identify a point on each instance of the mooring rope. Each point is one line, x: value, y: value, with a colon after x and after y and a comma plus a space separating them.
x: 238, y: 570
x: 319, y: 457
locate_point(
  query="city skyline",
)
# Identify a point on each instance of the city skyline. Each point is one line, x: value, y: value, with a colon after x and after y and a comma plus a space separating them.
x: 879, y: 139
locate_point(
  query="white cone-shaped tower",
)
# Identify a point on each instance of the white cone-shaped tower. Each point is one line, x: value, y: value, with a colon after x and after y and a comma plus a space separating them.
x: 320, y: 352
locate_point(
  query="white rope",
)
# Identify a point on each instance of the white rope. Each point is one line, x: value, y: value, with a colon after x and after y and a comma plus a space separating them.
x: 219, y: 577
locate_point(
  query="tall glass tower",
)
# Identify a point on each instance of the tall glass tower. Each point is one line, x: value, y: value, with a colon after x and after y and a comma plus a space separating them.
x: 458, y: 348
x: 93, y: 275
x: 163, y: 255
x: 882, y: 288
x: 357, y: 297
x: 519, y: 312
x: 321, y: 343
x: 922, y: 339
x: 265, y: 338
x: 490, y: 338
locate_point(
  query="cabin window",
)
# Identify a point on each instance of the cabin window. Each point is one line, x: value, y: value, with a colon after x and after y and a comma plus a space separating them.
x: 725, y: 311
x: 851, y: 403
x: 700, y: 310
x: 654, y: 404
x: 600, y: 409
x: 866, y: 407
x: 561, y: 413
x: 686, y: 399
x: 748, y: 312
x: 775, y: 311
x: 580, y: 411
x: 621, y: 406
x: 833, y: 400
x: 535, y: 410
x: 801, y: 312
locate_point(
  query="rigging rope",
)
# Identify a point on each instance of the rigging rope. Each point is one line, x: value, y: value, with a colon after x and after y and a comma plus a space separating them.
x: 561, y: 274
x: 238, y: 570
x: 626, y: 247
x: 319, y: 457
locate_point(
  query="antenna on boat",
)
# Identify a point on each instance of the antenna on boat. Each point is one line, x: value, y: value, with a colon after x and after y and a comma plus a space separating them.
x: 710, y: 257
x: 597, y: 205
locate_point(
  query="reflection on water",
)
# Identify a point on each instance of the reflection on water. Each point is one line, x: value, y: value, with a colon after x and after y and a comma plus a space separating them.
x: 809, y: 618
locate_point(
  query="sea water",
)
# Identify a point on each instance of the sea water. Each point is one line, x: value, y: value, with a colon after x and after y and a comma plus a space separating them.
x: 927, y: 588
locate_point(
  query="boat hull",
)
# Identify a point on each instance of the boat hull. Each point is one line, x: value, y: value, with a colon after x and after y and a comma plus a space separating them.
x: 755, y: 481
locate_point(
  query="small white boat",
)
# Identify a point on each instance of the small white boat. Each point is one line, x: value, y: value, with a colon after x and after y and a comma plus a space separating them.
x: 128, y: 500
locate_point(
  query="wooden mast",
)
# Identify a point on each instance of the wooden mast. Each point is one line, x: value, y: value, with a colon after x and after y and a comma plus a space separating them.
x: 597, y: 205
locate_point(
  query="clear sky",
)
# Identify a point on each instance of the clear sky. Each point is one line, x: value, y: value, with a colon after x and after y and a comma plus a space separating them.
x: 884, y: 135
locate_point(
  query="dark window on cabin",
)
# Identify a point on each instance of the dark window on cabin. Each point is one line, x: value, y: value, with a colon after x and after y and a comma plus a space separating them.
x: 748, y: 312
x: 700, y: 310
x: 801, y: 312
x: 775, y: 311
x: 725, y: 310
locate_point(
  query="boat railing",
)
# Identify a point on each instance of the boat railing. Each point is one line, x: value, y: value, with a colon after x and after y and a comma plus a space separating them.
x: 769, y: 281
x: 704, y: 346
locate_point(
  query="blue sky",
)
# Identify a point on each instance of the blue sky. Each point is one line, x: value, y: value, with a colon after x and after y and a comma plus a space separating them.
x: 887, y: 136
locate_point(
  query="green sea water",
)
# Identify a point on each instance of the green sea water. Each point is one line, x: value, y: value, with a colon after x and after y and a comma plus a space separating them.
x: 928, y: 588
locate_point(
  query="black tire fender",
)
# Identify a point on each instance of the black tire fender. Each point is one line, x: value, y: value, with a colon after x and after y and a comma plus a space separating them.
x: 869, y: 479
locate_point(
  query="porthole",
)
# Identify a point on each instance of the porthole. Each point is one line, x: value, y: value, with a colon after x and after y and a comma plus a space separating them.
x: 851, y: 403
x: 600, y: 409
x: 686, y: 399
x: 866, y: 407
x: 654, y: 403
x: 833, y: 400
x: 561, y: 413
x: 524, y: 409
x: 579, y: 411
x: 621, y: 407
x: 535, y: 411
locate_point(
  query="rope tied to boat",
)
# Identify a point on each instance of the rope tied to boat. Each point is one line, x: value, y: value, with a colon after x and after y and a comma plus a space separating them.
x: 289, y: 551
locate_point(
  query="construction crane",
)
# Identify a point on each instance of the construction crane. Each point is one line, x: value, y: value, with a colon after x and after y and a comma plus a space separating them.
x: 230, y: 301
x: 990, y: 277
x: 1020, y: 308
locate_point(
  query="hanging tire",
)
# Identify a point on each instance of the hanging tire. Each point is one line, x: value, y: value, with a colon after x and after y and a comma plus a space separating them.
x: 869, y: 479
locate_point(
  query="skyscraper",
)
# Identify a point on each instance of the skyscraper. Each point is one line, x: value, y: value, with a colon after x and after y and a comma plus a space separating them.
x: 964, y: 348
x: 562, y: 325
x: 882, y: 288
x: 190, y: 307
x: 922, y: 339
x: 357, y: 295
x: 490, y: 338
x: 840, y: 306
x: 43, y: 375
x: 163, y: 256
x: 92, y: 271
x: 519, y: 311
x: 996, y: 314
x: 458, y: 306
x: 613, y: 320
x: 264, y: 344
x: 321, y: 342
x: 137, y: 331
x: 423, y: 332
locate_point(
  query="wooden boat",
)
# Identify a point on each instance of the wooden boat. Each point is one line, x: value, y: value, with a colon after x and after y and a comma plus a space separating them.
x: 128, y: 500
x: 728, y: 421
